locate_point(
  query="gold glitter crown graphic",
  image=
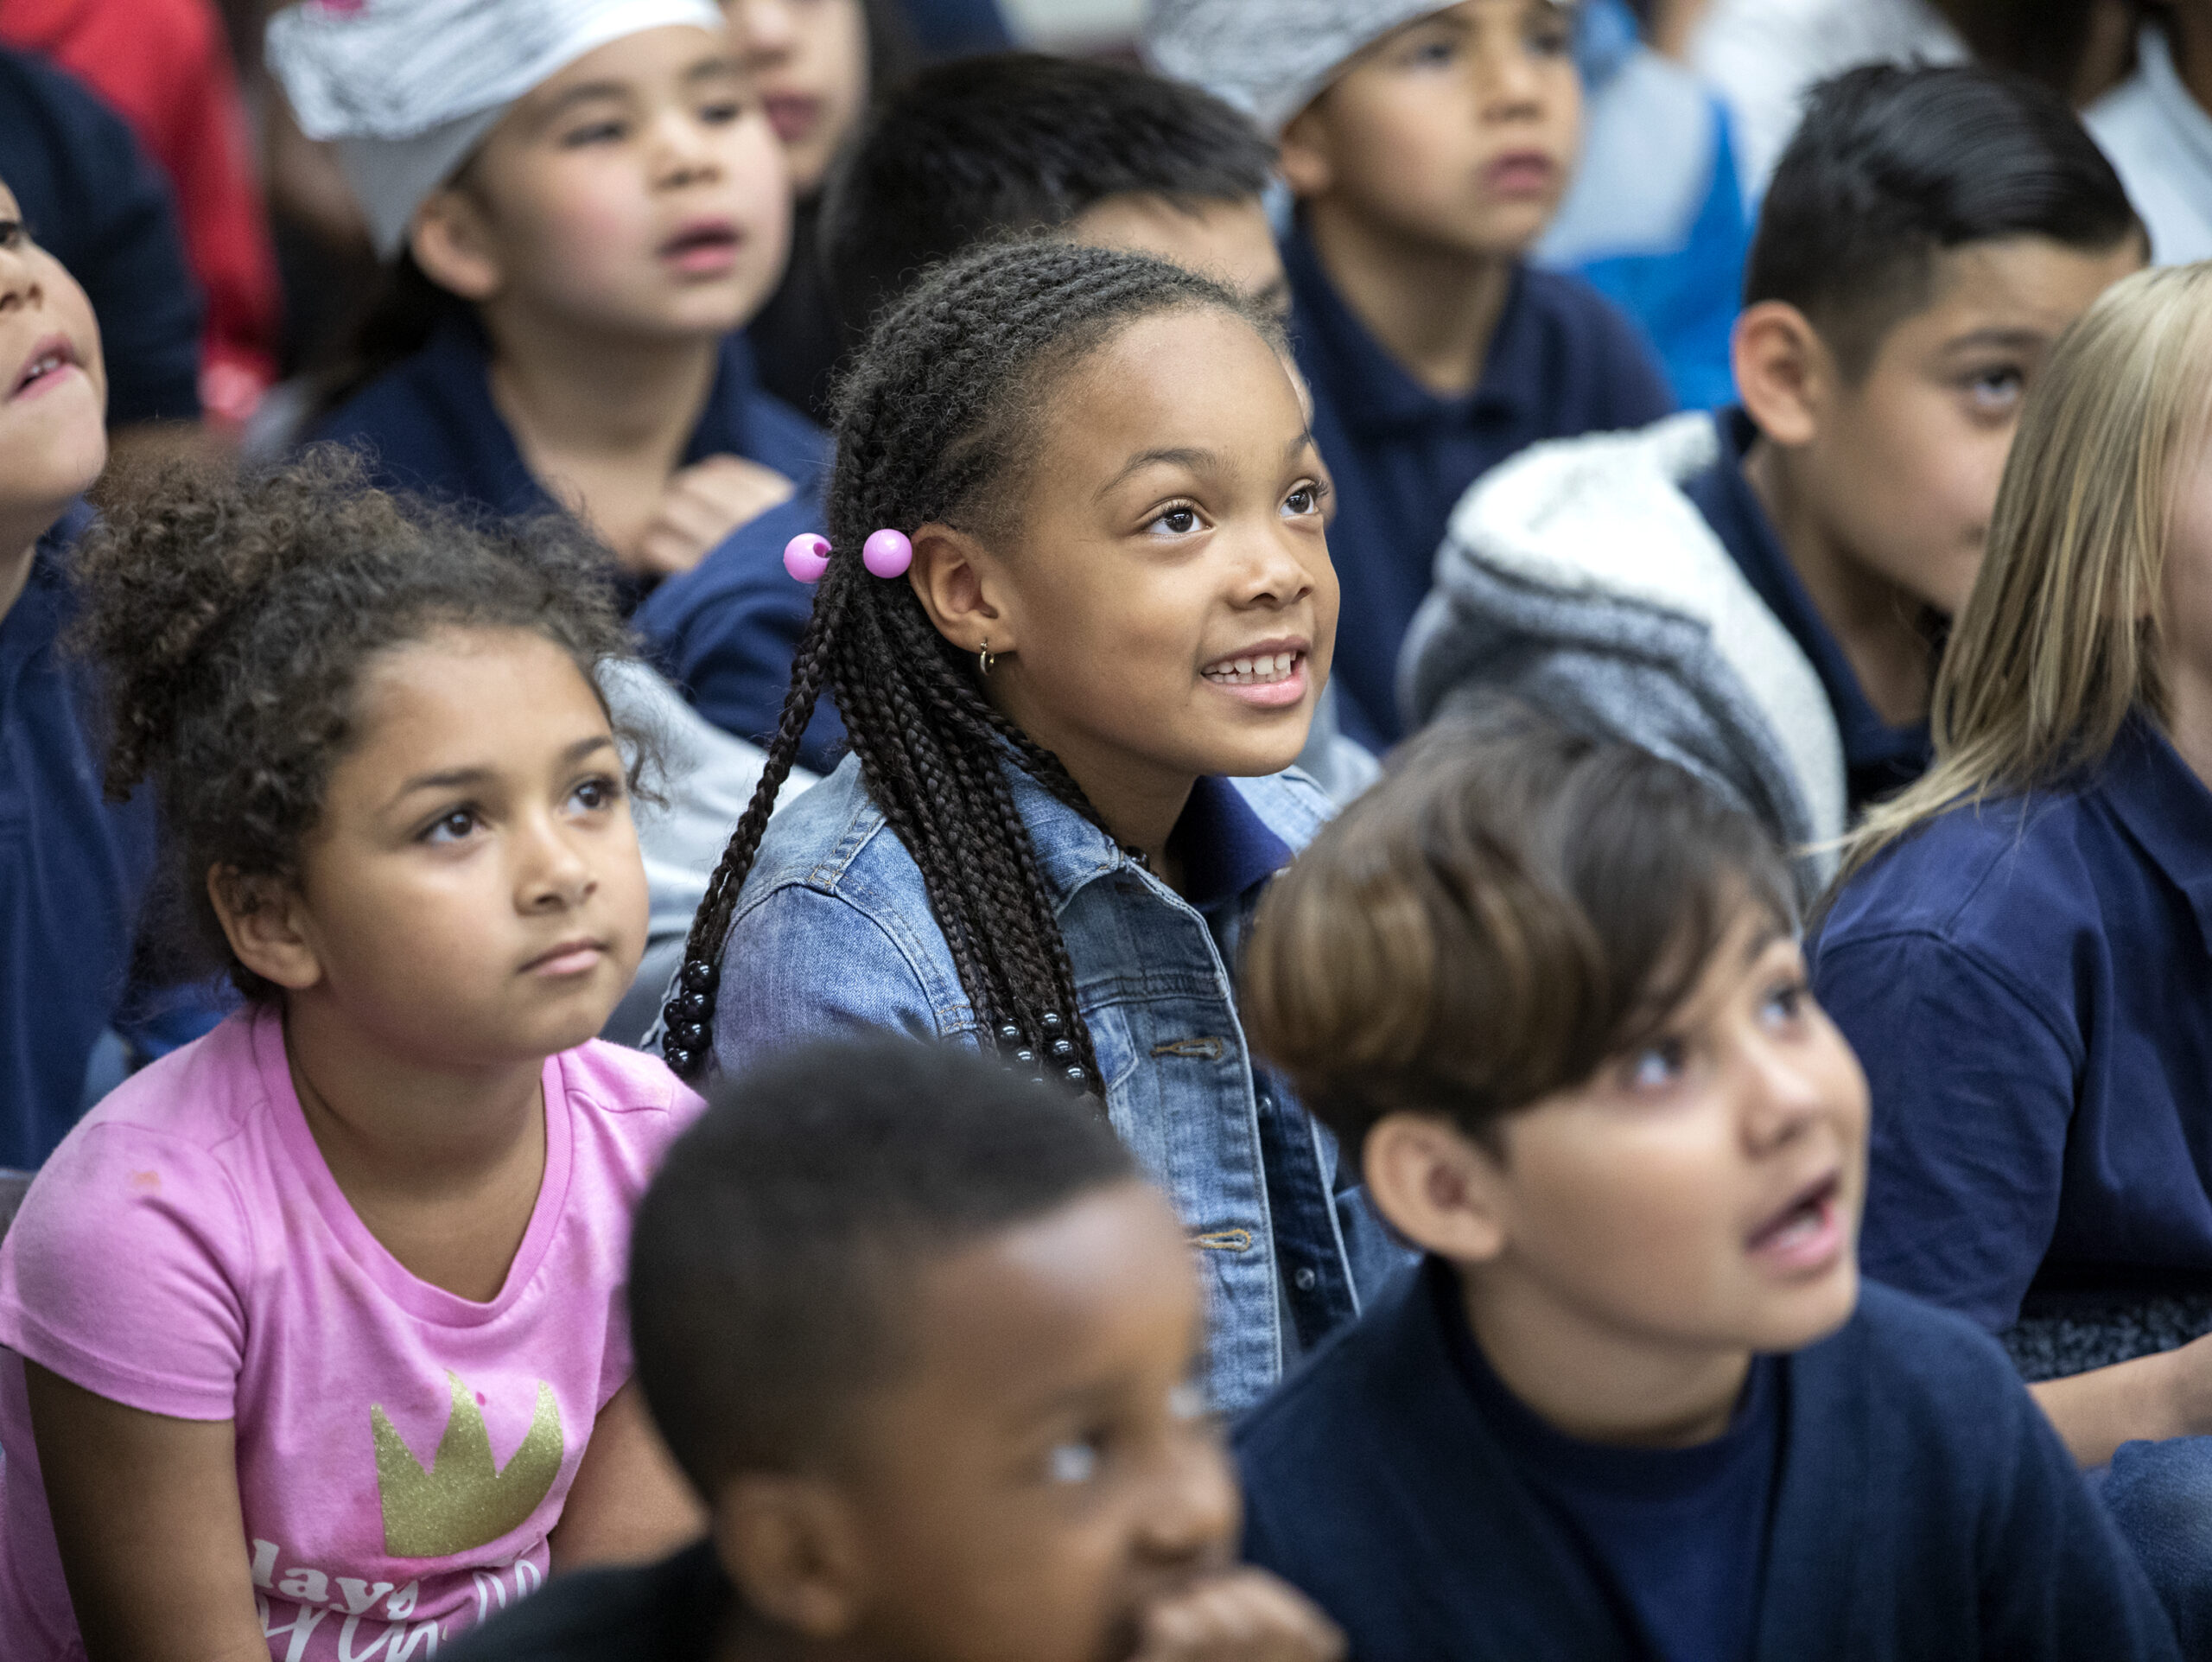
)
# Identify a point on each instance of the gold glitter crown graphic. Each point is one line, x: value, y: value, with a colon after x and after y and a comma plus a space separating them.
x: 463, y: 1501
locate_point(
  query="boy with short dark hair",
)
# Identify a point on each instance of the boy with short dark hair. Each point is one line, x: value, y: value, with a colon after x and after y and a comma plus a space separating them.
x: 1428, y: 145
x: 1636, y: 1403
x: 1100, y: 153
x: 1761, y: 595
x: 926, y: 1345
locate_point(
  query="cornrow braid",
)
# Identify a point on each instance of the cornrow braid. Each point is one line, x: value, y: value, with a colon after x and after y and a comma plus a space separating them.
x: 934, y: 423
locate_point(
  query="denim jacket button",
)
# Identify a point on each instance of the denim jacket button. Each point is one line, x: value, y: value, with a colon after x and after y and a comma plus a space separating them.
x: 1305, y: 1280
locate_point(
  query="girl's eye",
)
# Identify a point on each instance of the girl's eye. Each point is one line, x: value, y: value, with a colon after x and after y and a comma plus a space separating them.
x: 598, y: 132
x: 594, y: 794
x: 1176, y: 521
x: 453, y: 827
x: 12, y: 234
x: 1074, y: 1462
x: 1786, y: 1003
x: 1656, y: 1066
x: 721, y: 112
x: 1305, y: 500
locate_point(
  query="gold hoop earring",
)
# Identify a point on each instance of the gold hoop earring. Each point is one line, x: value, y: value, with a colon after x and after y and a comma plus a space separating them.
x: 985, y: 657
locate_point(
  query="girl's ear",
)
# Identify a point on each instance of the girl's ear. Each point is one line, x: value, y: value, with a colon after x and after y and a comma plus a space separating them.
x: 265, y: 923
x: 963, y: 589
x: 1437, y: 1186
x: 1305, y: 155
x: 451, y: 244
x: 792, y: 1547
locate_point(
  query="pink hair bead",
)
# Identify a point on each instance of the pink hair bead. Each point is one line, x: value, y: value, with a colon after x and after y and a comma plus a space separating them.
x: 807, y: 556
x: 888, y: 553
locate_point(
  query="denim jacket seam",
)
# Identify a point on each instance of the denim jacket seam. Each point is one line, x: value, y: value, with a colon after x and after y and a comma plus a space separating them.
x: 950, y: 1018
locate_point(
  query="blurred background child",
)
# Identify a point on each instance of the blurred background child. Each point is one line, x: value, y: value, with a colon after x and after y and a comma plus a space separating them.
x: 271, y: 1305
x: 1547, y: 990
x: 926, y: 1346
x: 1076, y: 611
x: 1762, y: 595
x: 2018, y: 945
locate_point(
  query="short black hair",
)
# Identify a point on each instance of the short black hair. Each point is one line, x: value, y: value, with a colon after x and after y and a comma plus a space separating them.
x: 786, y: 1226
x: 1019, y: 141
x: 1892, y: 165
x: 1514, y: 903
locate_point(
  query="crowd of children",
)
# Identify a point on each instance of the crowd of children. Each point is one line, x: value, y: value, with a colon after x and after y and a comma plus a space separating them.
x: 1012, y: 858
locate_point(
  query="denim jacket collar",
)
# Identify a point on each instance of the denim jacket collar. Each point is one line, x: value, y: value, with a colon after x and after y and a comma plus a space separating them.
x: 1226, y: 848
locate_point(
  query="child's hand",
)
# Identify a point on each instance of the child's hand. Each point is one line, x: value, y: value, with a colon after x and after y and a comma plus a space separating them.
x: 704, y: 504
x: 1246, y: 1615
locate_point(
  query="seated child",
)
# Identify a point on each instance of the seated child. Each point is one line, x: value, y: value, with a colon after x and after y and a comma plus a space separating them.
x: 1427, y: 146
x: 74, y: 868
x: 1636, y: 1403
x: 1761, y: 595
x: 964, y: 152
x: 816, y: 64
x: 582, y: 204
x: 271, y: 1307
x: 1075, y: 606
x: 2019, y: 944
x: 924, y: 1344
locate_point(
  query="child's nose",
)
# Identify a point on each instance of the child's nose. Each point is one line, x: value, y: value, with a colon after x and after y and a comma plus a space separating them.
x: 1196, y: 1513
x: 1783, y: 1095
x: 555, y: 874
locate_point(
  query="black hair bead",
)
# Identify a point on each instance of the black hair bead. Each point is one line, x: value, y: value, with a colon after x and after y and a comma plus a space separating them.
x: 1010, y: 1034
x: 1063, y: 1050
x: 1076, y: 1076
x: 1026, y: 1056
x: 700, y: 975
x: 1050, y: 1024
x: 690, y: 1007
x: 692, y: 1035
x: 680, y: 1061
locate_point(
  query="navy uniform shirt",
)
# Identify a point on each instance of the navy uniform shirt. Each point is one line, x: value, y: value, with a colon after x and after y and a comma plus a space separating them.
x: 2028, y: 984
x: 73, y: 868
x: 430, y: 425
x: 1921, y: 1508
x: 1879, y: 760
x: 671, y: 1611
x: 1563, y: 360
x: 96, y: 203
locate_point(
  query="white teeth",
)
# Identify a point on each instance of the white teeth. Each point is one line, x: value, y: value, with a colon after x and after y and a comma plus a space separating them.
x: 1249, y: 671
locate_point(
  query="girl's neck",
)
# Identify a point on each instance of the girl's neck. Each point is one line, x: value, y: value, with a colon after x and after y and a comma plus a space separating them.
x: 587, y: 407
x: 441, y: 1164
x: 1881, y: 627
x: 15, y: 572
x: 1434, y: 309
x: 1593, y: 1382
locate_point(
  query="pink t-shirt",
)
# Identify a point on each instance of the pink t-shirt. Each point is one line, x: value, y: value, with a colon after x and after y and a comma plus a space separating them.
x: 402, y: 1452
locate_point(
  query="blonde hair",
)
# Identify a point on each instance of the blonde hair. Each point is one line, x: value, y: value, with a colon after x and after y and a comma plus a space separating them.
x: 2061, y: 637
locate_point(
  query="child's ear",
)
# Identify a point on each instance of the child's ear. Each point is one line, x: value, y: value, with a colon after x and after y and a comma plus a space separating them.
x: 1436, y: 1186
x: 960, y: 587
x: 791, y: 1547
x: 449, y: 242
x: 1784, y: 372
x: 266, y: 924
x: 1304, y: 155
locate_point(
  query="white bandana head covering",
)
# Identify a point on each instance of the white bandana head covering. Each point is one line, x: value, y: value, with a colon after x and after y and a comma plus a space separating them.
x: 1270, y: 58
x: 408, y: 88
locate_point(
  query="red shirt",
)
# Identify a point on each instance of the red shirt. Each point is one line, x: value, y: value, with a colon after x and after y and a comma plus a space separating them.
x: 165, y: 66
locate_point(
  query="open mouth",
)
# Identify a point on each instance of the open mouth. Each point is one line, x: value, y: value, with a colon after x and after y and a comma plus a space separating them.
x: 1255, y: 669
x: 1805, y: 1229
x: 704, y: 245
x: 51, y: 358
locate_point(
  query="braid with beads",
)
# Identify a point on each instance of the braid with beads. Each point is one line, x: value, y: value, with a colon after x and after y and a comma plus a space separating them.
x: 932, y: 423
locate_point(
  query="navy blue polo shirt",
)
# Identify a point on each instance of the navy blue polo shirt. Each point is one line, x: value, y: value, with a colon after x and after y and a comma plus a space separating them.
x: 1563, y: 360
x: 1877, y: 759
x: 1678, y: 1534
x: 74, y: 868
x: 430, y: 425
x: 2029, y: 985
x: 95, y: 202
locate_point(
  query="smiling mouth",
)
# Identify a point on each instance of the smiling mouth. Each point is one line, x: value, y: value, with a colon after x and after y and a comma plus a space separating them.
x: 1253, y: 670
x: 50, y: 360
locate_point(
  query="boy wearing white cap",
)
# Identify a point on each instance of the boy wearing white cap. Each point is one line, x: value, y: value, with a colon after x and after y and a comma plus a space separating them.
x: 584, y: 203
x: 1427, y: 146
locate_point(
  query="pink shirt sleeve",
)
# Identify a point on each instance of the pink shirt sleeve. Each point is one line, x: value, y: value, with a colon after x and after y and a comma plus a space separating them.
x: 123, y: 1273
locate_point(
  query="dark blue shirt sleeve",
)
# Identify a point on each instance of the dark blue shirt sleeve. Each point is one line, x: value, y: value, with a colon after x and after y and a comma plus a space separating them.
x: 1636, y: 389
x: 1974, y: 1092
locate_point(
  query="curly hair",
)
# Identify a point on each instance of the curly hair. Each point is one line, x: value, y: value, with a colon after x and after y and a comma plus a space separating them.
x: 232, y: 617
x: 935, y: 423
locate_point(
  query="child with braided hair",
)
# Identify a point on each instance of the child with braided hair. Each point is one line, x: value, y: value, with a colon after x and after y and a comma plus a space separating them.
x: 1075, y: 606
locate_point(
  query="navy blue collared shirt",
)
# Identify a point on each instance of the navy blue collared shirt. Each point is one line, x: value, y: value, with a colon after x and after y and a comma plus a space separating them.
x: 1877, y: 759
x: 430, y: 425
x: 1563, y: 360
x: 74, y: 868
x: 2028, y: 984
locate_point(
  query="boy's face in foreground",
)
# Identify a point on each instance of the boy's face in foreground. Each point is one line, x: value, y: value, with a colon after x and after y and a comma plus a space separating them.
x: 1039, y: 1484
x: 1455, y: 133
x: 1904, y: 465
x: 53, y: 384
x: 1703, y: 1192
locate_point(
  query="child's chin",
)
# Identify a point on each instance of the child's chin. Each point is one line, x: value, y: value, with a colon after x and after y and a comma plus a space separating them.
x: 1808, y: 1314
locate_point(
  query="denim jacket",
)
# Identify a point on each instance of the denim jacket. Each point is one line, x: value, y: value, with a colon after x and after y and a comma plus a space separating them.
x: 834, y: 932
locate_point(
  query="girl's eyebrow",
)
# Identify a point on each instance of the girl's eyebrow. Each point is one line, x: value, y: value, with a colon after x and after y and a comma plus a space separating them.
x: 1195, y: 460
x: 453, y: 778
